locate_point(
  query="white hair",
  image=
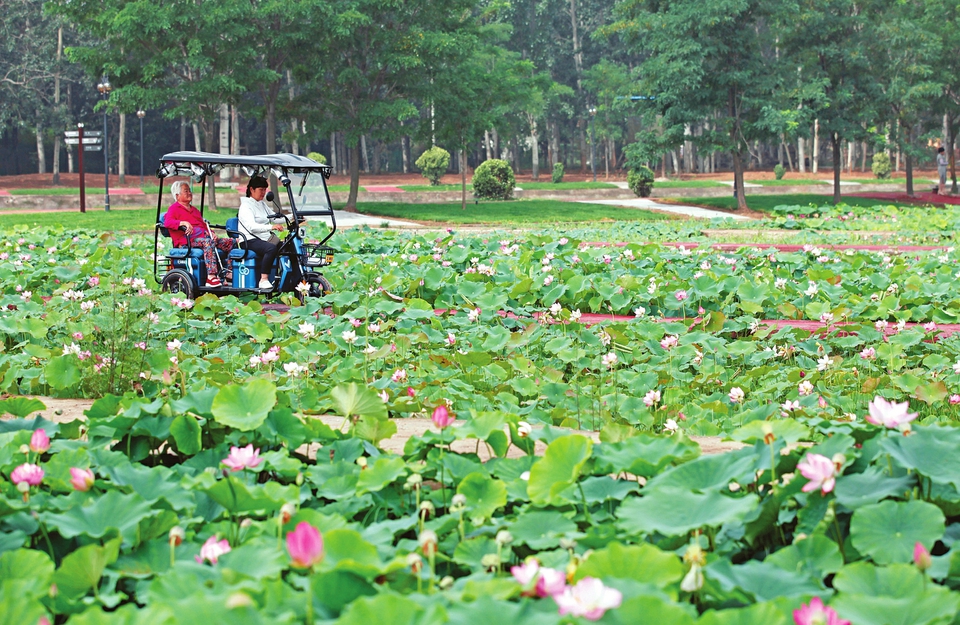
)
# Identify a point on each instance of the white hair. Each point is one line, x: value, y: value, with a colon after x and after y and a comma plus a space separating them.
x: 176, y: 187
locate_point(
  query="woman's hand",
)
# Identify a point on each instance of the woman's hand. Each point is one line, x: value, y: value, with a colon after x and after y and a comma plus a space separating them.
x: 186, y: 226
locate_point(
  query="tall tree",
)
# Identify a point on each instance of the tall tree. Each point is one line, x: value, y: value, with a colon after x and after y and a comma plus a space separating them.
x: 707, y: 59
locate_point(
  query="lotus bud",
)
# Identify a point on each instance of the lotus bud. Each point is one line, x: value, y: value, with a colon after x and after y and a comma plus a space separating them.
x: 490, y: 561
x: 23, y: 487
x: 768, y: 435
x: 176, y: 536
x: 458, y: 502
x: 693, y: 580
x: 524, y: 429
x: 415, y: 480
x: 24, y: 449
x: 838, y: 461
x: 504, y: 537
x: 246, y: 523
x: 428, y: 542
x: 921, y: 557
x: 567, y: 543
x: 299, y: 479
x: 239, y: 600
x: 446, y: 582
x: 362, y: 462
x: 287, y: 511
x: 427, y: 509
x: 415, y: 562
x: 54, y: 591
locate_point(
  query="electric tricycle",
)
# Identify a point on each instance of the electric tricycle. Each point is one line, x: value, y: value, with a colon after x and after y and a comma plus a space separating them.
x: 297, y: 265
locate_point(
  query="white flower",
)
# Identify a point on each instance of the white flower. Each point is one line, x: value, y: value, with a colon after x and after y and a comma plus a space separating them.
x: 824, y: 363
x: 575, y: 316
x: 736, y: 394
x: 72, y: 348
x: 670, y: 426
x: 307, y: 330
x: 826, y: 318
x: 639, y: 312
x: 780, y: 283
x: 651, y: 398
x: 294, y: 369
x: 473, y: 315
x: 369, y: 349
x: 555, y: 309
x: 349, y: 337
x: 805, y: 388
x: 881, y: 325
x: 174, y: 345
x: 609, y: 360
x: 812, y: 289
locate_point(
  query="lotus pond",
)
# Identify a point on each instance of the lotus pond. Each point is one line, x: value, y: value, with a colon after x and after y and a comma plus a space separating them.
x: 202, y: 487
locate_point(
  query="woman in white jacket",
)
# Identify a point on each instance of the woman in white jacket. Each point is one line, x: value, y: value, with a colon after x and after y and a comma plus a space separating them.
x: 258, y: 227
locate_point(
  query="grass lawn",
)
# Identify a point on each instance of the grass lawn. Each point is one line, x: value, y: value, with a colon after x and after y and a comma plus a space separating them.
x: 147, y: 190
x: 766, y: 203
x: 523, y: 185
x: 511, y: 212
x: 784, y: 182
x: 141, y: 219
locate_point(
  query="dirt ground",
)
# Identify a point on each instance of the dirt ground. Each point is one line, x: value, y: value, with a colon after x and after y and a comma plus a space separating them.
x: 64, y: 410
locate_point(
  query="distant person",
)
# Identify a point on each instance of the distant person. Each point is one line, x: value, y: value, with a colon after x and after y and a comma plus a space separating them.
x: 257, y: 225
x: 942, y: 162
x: 187, y: 228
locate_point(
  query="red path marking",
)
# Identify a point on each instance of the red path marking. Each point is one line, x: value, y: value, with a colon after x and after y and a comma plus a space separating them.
x: 4, y: 192
x: 732, y: 247
x: 382, y: 189
x: 126, y: 191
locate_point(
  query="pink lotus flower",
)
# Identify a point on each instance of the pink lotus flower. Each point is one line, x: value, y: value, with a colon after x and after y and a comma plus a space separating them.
x: 212, y: 550
x: 815, y: 613
x: 680, y: 295
x: 525, y: 573
x: 954, y: 399
x: 589, y: 599
x: 921, y: 557
x: 890, y: 414
x: 305, y: 545
x: 550, y: 583
x: 868, y: 354
x: 39, y: 442
x: 820, y: 470
x: 81, y: 479
x: 736, y: 394
x: 442, y: 417
x: 243, y: 458
x: 30, y: 474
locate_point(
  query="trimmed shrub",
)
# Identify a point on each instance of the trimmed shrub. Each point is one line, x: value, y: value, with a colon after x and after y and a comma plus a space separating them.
x: 778, y: 171
x: 317, y: 156
x: 493, y: 180
x: 557, y: 175
x: 881, y: 165
x: 433, y: 164
x: 640, y: 181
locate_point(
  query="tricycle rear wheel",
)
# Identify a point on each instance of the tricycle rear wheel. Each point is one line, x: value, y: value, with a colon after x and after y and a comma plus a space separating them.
x: 178, y: 281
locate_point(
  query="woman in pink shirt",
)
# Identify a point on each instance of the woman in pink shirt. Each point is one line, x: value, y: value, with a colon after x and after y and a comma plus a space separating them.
x: 185, y: 223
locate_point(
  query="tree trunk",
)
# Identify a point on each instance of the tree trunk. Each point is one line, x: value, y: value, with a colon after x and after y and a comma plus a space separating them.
x: 235, y: 132
x: 223, y: 135
x: 738, y: 189
x: 333, y: 151
x: 908, y: 158
x: 405, y: 153
x: 122, y: 150
x: 535, y: 145
x: 801, y: 155
x: 487, y: 143
x: 56, y: 103
x: 463, y: 179
x: 377, y: 153
x: 837, y: 164
x: 354, y: 176
x: 815, y: 162
x: 41, y: 157
x: 363, y: 153
x: 951, y: 143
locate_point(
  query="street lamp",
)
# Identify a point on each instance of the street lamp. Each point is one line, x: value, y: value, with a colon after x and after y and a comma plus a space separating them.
x: 105, y: 88
x: 141, y: 113
x: 593, y: 144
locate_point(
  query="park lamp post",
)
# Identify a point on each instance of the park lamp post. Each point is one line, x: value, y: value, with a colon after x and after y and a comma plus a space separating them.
x: 141, y: 114
x: 593, y: 143
x: 105, y: 88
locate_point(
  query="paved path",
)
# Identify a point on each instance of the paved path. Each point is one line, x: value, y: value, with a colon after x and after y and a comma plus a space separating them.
x: 346, y: 219
x: 678, y: 209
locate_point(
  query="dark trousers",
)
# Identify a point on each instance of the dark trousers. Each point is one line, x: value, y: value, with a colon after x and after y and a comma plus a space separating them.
x: 265, y: 250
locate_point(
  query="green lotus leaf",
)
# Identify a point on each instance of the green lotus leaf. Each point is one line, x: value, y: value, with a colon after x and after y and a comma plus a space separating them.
x: 18, y: 606
x: 236, y: 496
x: 485, y: 495
x: 645, y: 454
x: 814, y: 556
x: 871, y: 486
x: 709, y: 472
x: 888, y: 531
x: 896, y: 594
x: 385, y: 609
x: 151, y: 483
x: 788, y: 430
x: 470, y: 552
x: 759, y: 614
x: 597, y: 489
x: 378, y: 475
x: 559, y: 468
x: 542, y: 529
x: 34, y: 568
x: 185, y: 431
x: 354, y: 400
x: 21, y: 406
x: 244, y: 406
x: 930, y: 451
x: 337, y: 589
x: 674, y: 512
x: 256, y: 559
x: 96, y: 518
x: 762, y: 581
x: 82, y: 569
x: 130, y: 614
x: 346, y: 550
x: 643, y: 563
x: 63, y: 371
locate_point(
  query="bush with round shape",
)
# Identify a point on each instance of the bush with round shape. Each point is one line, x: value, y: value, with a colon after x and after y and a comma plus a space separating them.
x: 433, y: 164
x: 640, y: 181
x: 318, y: 157
x: 493, y: 180
x: 881, y: 165
x: 557, y: 175
x: 778, y: 171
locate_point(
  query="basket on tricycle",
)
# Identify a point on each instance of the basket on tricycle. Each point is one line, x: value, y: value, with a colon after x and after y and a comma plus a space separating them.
x: 180, y: 265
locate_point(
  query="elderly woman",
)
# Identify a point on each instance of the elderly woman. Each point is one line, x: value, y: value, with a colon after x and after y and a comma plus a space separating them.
x: 257, y: 225
x: 187, y: 227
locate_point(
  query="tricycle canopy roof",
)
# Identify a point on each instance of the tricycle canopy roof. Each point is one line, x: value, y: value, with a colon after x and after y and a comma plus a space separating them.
x: 207, y: 163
